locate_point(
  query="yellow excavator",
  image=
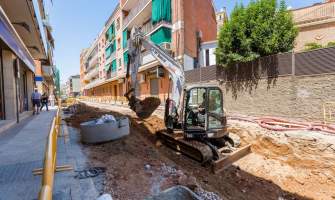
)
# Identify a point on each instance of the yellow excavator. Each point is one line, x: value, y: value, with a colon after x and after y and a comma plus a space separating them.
x: 195, y: 120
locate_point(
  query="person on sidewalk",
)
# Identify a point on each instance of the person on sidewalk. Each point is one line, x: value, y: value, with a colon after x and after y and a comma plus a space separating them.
x: 45, y: 101
x: 52, y: 100
x: 35, y: 100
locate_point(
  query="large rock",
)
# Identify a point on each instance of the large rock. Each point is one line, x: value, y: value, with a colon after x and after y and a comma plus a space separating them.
x: 189, y: 182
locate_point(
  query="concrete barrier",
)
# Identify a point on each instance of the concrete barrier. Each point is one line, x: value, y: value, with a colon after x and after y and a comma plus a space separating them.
x: 96, y: 133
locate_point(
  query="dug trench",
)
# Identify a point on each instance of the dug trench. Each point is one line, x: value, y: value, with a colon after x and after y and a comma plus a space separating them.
x: 283, y: 165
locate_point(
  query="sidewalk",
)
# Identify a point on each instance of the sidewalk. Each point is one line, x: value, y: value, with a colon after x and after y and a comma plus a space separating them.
x: 22, y: 149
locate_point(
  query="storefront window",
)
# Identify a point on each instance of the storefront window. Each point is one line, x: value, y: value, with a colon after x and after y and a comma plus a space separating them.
x: 1, y: 92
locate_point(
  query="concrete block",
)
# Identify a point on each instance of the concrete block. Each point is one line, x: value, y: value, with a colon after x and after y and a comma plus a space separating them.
x: 96, y: 133
x: 175, y: 193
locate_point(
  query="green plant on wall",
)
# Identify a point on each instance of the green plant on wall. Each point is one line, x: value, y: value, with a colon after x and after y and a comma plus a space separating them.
x: 311, y: 46
x: 261, y: 28
x: 314, y: 45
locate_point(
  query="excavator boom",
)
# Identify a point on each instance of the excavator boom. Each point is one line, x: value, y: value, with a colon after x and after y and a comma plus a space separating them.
x: 146, y: 107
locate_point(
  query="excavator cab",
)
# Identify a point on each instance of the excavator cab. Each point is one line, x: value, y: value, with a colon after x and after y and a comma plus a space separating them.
x: 203, y: 112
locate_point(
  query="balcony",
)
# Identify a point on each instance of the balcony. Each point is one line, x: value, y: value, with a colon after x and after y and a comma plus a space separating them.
x: 92, y: 83
x: 108, y: 43
x: 148, y: 28
x: 93, y: 60
x: 111, y: 57
x: 48, y: 74
x: 111, y: 74
x: 92, y: 73
x: 314, y: 13
x: 138, y: 13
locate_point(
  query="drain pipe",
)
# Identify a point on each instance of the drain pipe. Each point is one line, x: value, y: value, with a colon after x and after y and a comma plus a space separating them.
x: 199, y: 36
x: 17, y: 76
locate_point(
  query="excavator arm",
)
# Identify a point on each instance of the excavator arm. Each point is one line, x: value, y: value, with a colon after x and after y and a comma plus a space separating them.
x: 175, y: 70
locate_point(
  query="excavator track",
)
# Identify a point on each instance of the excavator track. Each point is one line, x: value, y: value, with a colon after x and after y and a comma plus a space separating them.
x: 202, y: 153
x: 199, y: 152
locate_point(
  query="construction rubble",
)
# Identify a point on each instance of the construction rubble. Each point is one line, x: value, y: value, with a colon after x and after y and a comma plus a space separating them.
x: 294, y: 164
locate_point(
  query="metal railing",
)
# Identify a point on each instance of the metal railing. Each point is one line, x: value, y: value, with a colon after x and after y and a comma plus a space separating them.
x: 133, y: 12
x: 111, y: 57
x: 50, y: 157
x: 111, y: 74
x: 148, y: 27
x: 314, y: 13
x: 91, y: 73
x: 93, y: 58
x: 91, y: 84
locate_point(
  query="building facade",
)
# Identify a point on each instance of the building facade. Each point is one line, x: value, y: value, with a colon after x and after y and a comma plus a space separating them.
x: 26, y: 50
x: 73, y: 86
x: 221, y: 17
x: 316, y: 23
x: 82, y: 70
x: 169, y: 24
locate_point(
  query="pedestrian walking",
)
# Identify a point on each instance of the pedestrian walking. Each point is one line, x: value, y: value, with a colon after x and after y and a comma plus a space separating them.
x: 35, y: 100
x: 45, y: 101
x: 52, y: 100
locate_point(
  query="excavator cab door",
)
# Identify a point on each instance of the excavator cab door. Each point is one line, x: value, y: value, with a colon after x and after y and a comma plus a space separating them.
x: 203, y: 112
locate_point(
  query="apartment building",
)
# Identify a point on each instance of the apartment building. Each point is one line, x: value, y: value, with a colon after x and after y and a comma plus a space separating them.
x: 82, y: 70
x: 170, y: 24
x: 221, y: 17
x: 316, y: 23
x: 25, y: 57
x: 73, y: 86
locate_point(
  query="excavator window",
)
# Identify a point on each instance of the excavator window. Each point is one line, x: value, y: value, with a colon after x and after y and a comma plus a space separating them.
x: 214, y: 106
x: 196, y: 108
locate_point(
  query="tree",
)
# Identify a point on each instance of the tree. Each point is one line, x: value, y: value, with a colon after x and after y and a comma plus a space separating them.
x: 262, y: 28
x: 56, y: 79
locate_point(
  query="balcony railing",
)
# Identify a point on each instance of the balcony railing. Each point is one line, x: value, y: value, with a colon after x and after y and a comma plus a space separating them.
x: 314, y: 13
x: 91, y: 84
x: 133, y: 12
x: 111, y: 57
x: 111, y: 74
x: 93, y: 58
x: 148, y: 27
x: 91, y: 73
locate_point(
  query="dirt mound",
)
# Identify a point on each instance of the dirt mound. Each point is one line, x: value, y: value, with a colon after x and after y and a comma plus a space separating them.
x: 283, y: 165
x: 299, y: 161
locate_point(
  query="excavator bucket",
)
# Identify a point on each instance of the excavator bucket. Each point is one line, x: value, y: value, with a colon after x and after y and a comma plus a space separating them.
x: 144, y: 108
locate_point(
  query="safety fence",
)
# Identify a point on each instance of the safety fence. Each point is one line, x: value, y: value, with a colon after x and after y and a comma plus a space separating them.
x: 120, y: 99
x: 295, y: 64
x: 328, y: 115
x: 50, y: 157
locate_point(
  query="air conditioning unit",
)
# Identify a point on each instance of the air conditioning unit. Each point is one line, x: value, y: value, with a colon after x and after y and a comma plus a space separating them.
x: 167, y: 46
x: 141, y: 78
x: 121, y: 80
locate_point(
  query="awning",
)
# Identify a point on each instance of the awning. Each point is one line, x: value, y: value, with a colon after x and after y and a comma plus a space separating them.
x: 107, y: 67
x: 14, y: 42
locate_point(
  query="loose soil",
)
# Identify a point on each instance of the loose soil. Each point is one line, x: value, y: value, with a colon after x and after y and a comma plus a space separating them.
x: 283, y: 165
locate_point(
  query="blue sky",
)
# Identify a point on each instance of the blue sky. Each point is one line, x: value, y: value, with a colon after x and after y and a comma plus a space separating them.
x: 76, y: 23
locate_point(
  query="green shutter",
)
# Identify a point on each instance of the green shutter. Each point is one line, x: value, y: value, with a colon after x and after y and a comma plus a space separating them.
x: 124, y: 39
x: 161, y: 9
x: 161, y: 35
x: 107, y: 67
x: 110, y: 33
x: 114, y: 28
x: 114, y: 44
x: 108, y: 52
x: 114, y: 65
x: 125, y: 57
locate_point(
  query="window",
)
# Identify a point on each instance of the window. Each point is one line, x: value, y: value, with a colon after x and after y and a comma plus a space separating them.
x: 119, y: 43
x: 118, y: 23
x: 207, y: 57
x: 120, y: 63
x: 214, y: 106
